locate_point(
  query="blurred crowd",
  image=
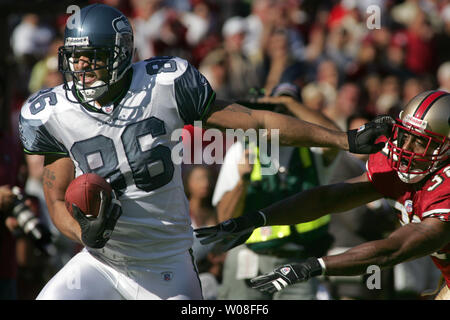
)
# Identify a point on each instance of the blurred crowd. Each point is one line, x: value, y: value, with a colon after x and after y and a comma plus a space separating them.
x: 346, y: 59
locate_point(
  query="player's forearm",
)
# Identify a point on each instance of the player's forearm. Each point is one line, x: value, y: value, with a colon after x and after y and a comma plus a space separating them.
x: 313, y: 116
x: 292, y: 131
x: 295, y: 132
x: 306, y: 114
x: 232, y: 203
x: 317, y: 202
x: 409, y: 242
x: 64, y: 222
x: 58, y: 173
x: 355, y: 261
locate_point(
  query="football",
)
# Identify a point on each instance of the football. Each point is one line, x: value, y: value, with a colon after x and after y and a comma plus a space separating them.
x: 84, y: 192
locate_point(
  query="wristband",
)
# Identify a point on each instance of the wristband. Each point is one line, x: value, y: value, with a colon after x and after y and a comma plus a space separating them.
x: 351, y: 138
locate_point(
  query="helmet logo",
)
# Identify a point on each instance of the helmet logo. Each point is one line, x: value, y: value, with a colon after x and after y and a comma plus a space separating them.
x: 78, y: 41
x: 121, y: 25
x: 410, y: 120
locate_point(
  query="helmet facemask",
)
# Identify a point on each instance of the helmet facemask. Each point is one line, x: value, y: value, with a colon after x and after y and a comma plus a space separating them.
x: 412, y: 166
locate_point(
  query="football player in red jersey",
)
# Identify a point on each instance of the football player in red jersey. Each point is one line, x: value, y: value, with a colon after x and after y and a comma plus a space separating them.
x: 413, y: 170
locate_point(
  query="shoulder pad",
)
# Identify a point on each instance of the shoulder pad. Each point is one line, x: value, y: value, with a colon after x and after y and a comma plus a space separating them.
x: 38, y: 106
x: 34, y: 116
x: 167, y: 68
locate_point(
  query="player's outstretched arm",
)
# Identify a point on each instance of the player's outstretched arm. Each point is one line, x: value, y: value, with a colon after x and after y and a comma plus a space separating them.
x: 301, y: 111
x: 295, y: 132
x: 302, y: 207
x: 58, y: 173
x: 409, y: 242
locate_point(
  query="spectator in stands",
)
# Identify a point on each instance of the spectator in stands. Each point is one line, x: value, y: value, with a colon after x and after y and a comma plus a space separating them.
x: 313, y: 98
x: 31, y: 38
x: 215, y: 68
x: 148, y: 17
x: 242, y: 73
x: 411, y: 88
x: 199, y: 186
x: 371, y: 91
x: 443, y: 37
x: 346, y: 104
x: 259, y: 22
x: 315, y: 47
x: 17, y: 253
x: 390, y: 94
x: 45, y: 72
x: 210, y: 13
x: 29, y: 42
x: 420, y: 52
x: 8, y: 268
x: 443, y: 76
x: 328, y: 78
x: 278, y: 56
x: 11, y: 174
x: 339, y: 48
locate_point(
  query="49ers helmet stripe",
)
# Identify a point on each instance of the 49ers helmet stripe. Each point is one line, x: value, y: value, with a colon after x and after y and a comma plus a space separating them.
x: 426, y: 104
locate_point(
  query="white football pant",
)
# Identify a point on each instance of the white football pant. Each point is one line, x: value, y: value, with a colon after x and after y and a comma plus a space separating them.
x: 85, y: 277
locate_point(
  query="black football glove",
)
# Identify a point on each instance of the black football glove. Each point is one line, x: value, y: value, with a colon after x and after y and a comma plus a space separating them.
x: 232, y: 232
x: 362, y: 140
x: 96, y: 231
x: 286, y: 275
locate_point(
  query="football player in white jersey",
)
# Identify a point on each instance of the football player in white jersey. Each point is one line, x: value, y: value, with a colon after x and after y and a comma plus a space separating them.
x: 115, y: 118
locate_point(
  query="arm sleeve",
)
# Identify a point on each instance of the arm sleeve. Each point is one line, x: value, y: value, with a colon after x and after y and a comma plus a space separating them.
x: 437, y: 203
x: 193, y: 95
x: 37, y: 140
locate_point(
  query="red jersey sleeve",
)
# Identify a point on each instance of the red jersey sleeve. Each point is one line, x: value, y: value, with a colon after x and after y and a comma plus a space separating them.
x: 440, y: 210
x: 384, y: 178
x: 436, y: 196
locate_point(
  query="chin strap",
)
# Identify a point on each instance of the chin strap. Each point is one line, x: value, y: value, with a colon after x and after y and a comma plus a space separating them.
x: 411, y: 177
x: 98, y: 88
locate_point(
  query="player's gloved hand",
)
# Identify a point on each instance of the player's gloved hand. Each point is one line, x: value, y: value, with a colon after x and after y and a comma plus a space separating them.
x: 362, y: 140
x: 232, y: 232
x: 96, y: 231
x: 286, y: 275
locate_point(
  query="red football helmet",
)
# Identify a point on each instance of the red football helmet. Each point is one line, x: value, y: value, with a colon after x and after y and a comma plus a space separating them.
x: 427, y: 119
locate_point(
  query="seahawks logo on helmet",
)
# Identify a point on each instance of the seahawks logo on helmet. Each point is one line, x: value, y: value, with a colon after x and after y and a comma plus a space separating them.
x: 121, y: 25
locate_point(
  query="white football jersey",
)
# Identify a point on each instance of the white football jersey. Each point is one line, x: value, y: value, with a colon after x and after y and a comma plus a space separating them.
x: 131, y: 148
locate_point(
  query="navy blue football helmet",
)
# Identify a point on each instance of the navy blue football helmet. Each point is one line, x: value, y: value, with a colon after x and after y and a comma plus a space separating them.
x: 104, y: 35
